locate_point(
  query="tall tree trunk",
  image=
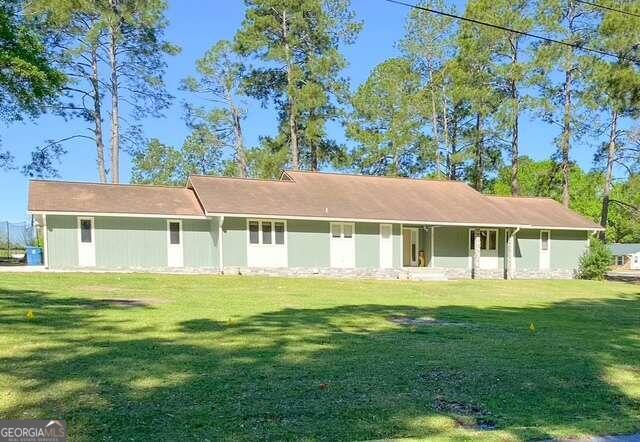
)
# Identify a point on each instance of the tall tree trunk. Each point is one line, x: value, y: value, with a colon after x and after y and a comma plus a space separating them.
x: 115, y: 98
x: 314, y: 157
x: 515, y: 129
x: 445, y: 135
x: 241, y: 154
x: 97, y: 115
x: 611, y: 155
x: 565, y: 145
x: 479, y: 166
x: 434, y: 123
x: 293, y: 130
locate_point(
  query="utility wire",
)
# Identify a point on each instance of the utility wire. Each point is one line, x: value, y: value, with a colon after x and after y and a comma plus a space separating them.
x: 515, y: 31
x: 608, y: 8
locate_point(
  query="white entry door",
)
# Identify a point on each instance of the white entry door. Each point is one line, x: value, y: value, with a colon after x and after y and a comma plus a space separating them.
x: 545, y: 249
x: 86, y: 243
x: 175, y: 256
x: 386, y: 246
x: 343, y: 246
x: 410, y: 247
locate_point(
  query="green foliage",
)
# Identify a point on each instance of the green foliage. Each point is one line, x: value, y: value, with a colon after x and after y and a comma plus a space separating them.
x: 595, y: 263
x: 386, y: 122
x: 544, y: 179
x: 158, y: 163
x: 302, y: 38
x: 29, y: 82
x: 220, y: 76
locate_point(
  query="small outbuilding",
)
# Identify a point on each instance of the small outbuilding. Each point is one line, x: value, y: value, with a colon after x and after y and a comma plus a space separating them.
x: 625, y: 256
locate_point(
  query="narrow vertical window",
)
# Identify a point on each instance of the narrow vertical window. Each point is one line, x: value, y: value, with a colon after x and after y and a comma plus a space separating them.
x: 483, y: 240
x: 493, y: 240
x: 544, y: 237
x: 85, y: 231
x: 174, y: 233
x: 266, y: 232
x: 348, y: 230
x: 254, y: 235
x: 279, y: 233
x: 472, y: 240
x: 336, y: 230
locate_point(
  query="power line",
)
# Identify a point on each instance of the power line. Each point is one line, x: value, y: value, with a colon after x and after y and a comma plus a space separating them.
x: 515, y: 31
x: 608, y: 8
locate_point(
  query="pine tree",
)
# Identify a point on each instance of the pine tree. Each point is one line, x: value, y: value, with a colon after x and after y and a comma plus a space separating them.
x: 302, y: 38
x: 220, y: 76
x: 561, y: 72
x: 386, y: 122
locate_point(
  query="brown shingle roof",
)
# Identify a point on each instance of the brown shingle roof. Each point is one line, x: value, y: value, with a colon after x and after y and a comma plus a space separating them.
x: 340, y: 196
x: 59, y: 196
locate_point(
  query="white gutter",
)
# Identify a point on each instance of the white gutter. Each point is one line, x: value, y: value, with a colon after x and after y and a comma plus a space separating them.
x: 395, y: 221
x: 45, y: 260
x: 128, y: 215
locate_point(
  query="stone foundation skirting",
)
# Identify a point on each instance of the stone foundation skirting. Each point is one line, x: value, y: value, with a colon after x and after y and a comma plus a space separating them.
x: 410, y: 274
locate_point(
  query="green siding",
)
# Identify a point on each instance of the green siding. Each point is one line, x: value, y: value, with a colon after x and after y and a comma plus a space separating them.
x: 214, y: 232
x: 451, y: 247
x: 527, y: 249
x: 128, y: 242
x: 308, y: 243
x: 234, y: 242
x: 567, y: 246
x: 131, y: 242
x: 367, y: 245
x: 62, y: 241
x: 198, y: 243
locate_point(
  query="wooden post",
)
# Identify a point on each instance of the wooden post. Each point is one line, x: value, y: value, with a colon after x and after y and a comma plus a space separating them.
x: 510, y: 247
x: 476, y: 254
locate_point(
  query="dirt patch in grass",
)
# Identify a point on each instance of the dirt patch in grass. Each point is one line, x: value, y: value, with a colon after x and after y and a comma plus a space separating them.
x: 424, y: 320
x: 467, y: 415
x: 130, y: 303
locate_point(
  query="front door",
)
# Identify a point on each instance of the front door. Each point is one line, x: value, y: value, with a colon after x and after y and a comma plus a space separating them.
x: 86, y: 243
x: 410, y: 247
x: 386, y: 246
x: 175, y: 257
x: 343, y: 246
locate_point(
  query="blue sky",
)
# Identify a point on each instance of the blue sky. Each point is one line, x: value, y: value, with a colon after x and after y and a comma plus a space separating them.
x: 195, y: 25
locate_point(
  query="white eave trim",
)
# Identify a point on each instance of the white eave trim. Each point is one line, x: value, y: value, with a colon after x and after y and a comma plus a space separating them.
x: 397, y: 221
x: 124, y: 215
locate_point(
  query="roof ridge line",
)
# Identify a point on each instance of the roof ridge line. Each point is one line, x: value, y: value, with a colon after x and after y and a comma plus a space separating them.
x: 219, y: 177
x: 321, y: 172
x: 88, y: 183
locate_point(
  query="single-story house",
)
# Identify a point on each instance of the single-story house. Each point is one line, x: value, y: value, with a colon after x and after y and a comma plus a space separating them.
x: 625, y: 256
x: 309, y: 223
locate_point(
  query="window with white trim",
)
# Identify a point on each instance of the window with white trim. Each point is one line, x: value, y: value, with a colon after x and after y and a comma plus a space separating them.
x: 619, y: 260
x: 488, y: 239
x: 544, y: 240
x: 267, y: 233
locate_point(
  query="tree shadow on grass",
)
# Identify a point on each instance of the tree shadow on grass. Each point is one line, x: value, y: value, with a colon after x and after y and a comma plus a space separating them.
x: 340, y: 373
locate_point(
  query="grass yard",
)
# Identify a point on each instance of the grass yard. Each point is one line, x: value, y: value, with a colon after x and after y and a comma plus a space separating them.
x: 155, y: 357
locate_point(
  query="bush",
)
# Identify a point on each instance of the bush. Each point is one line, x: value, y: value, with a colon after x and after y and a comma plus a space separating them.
x: 595, y: 262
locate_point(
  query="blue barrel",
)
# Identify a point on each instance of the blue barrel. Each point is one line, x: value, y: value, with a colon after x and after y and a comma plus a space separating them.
x: 34, y: 256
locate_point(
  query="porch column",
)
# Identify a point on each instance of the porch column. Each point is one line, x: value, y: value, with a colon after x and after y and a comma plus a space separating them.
x: 475, y: 266
x: 510, y: 260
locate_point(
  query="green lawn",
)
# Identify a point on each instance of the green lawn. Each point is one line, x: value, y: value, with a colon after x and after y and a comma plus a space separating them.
x: 134, y: 357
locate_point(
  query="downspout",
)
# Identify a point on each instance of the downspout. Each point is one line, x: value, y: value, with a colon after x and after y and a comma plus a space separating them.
x: 220, y: 254
x: 433, y: 248
x: 45, y: 251
x: 512, y: 253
